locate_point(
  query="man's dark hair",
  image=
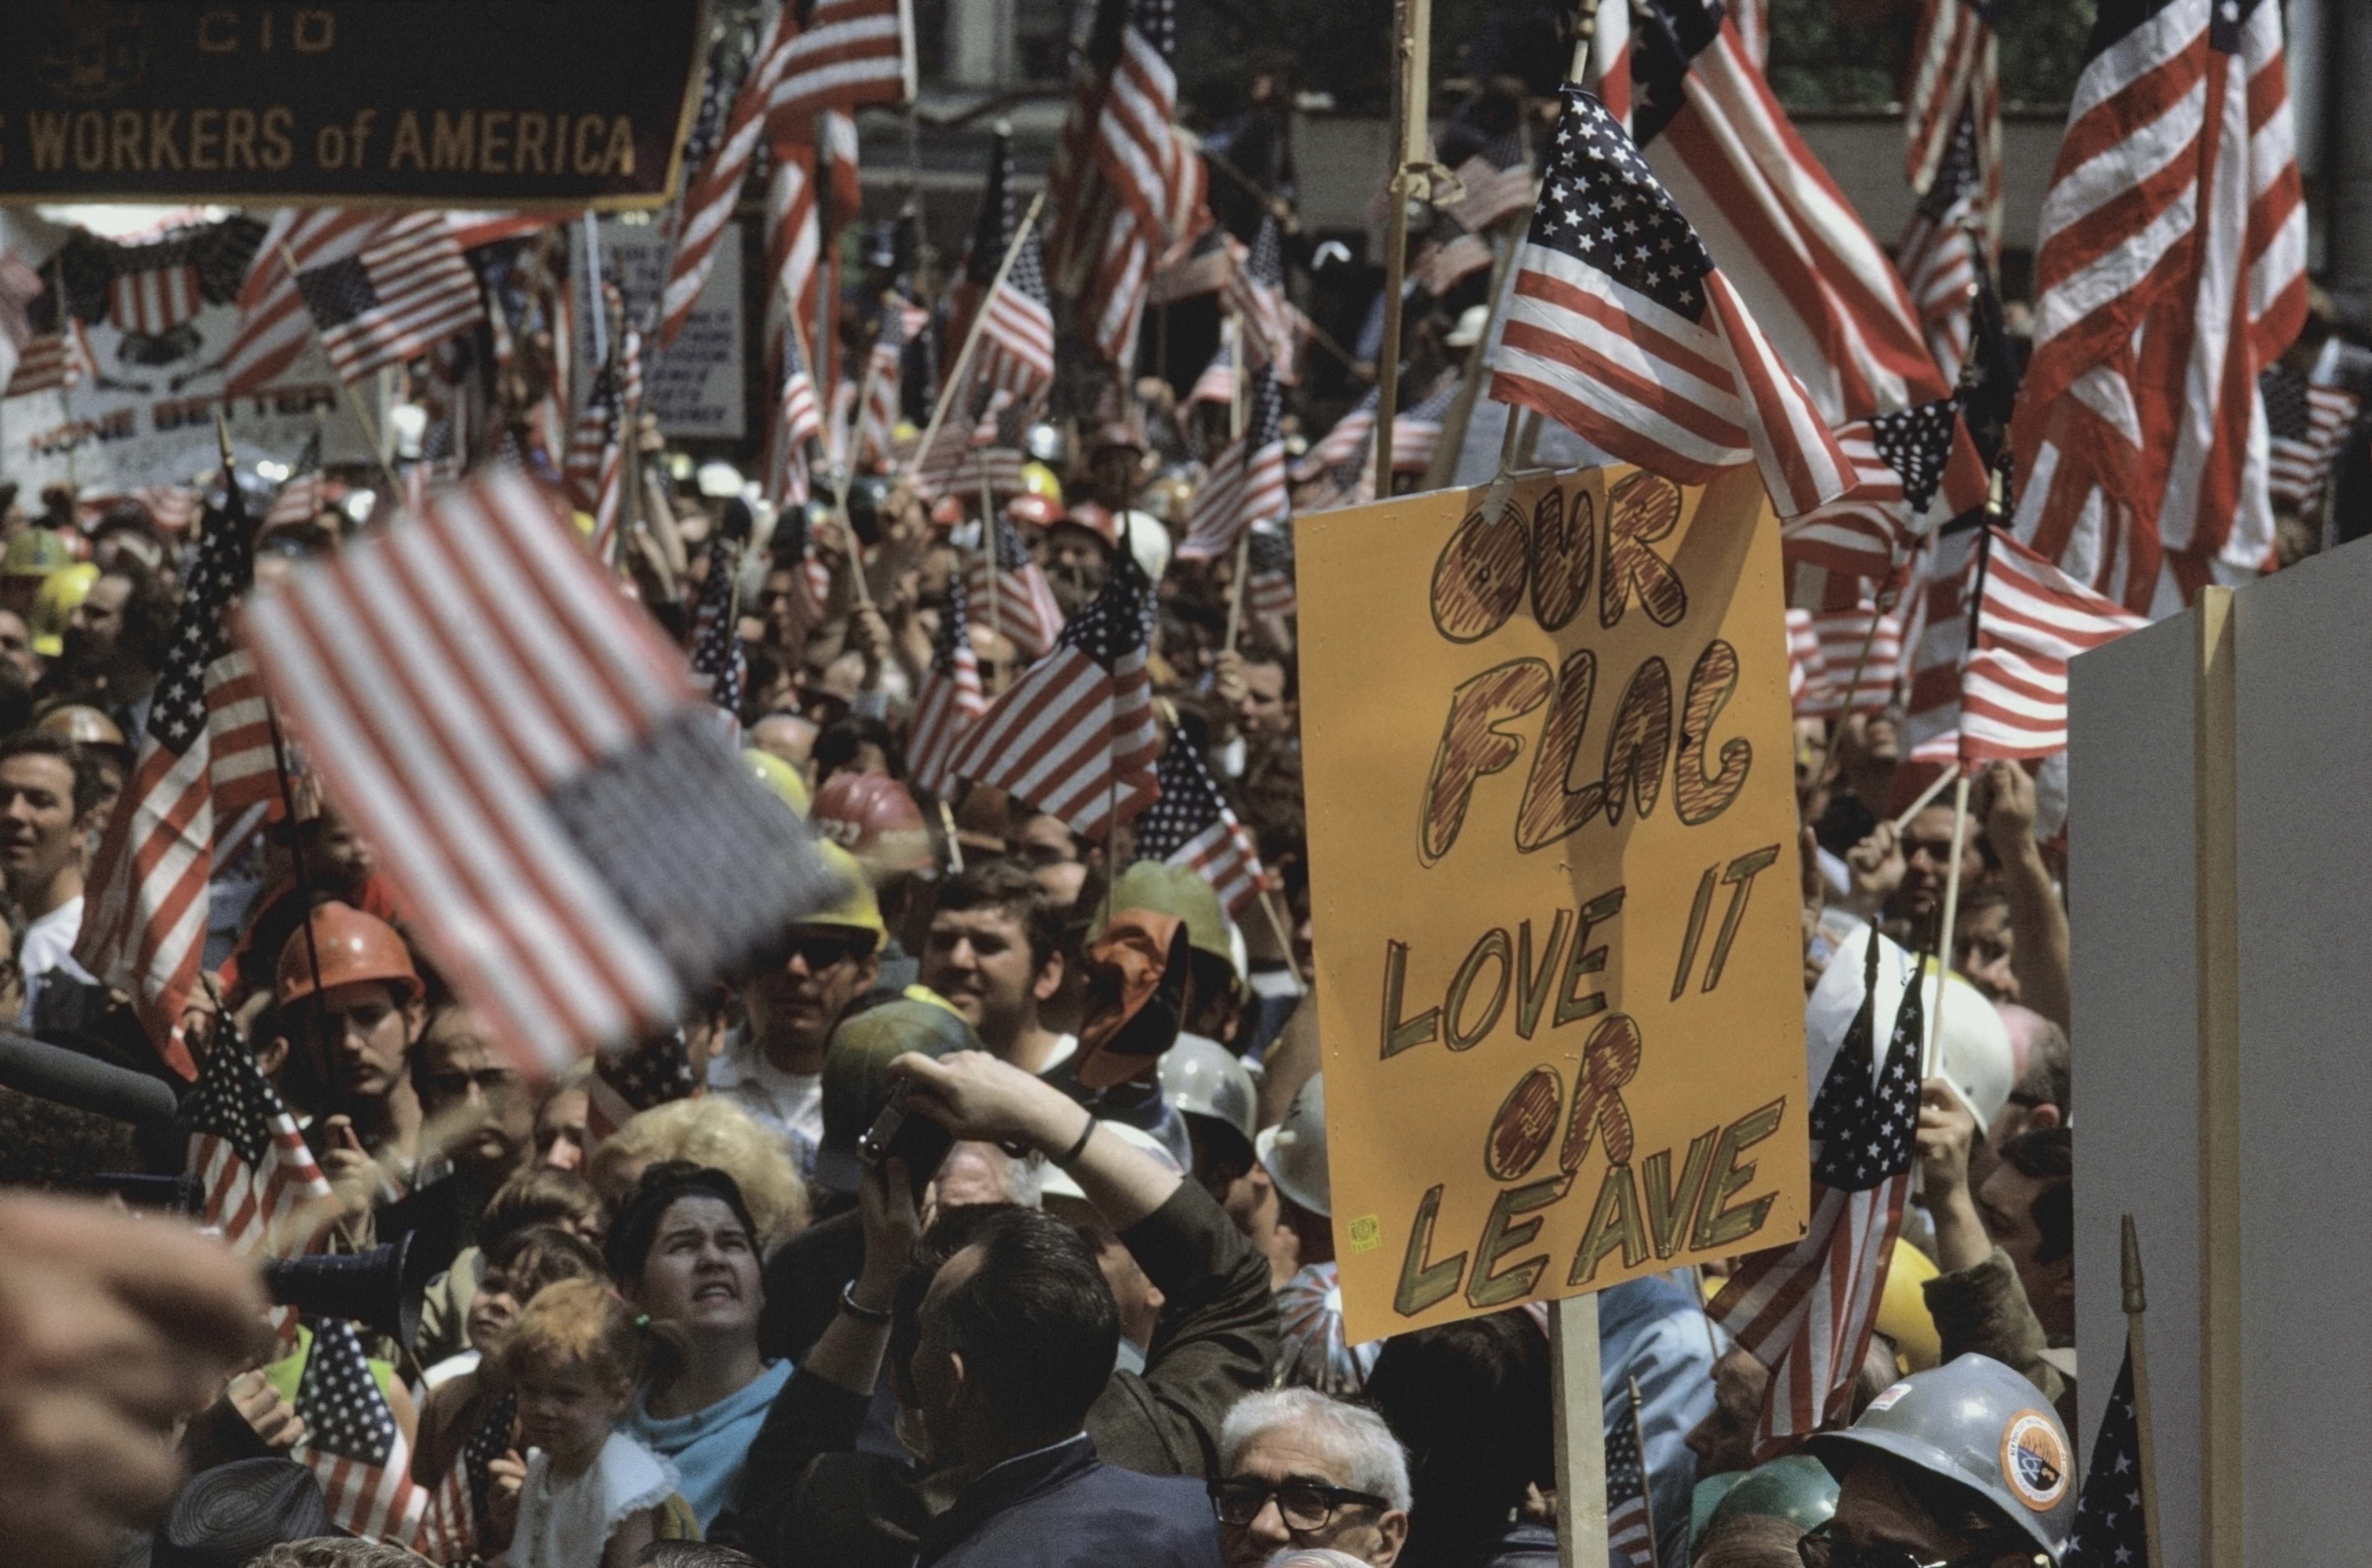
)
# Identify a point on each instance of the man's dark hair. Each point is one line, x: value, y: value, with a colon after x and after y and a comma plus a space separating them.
x: 1270, y: 654
x: 2048, y: 1154
x: 1008, y: 885
x: 2048, y: 1078
x: 148, y: 613
x: 836, y: 746
x: 663, y: 1184
x: 949, y: 1233
x: 1469, y: 1401
x: 89, y: 784
x: 537, y: 1196
x: 1036, y: 1324
x: 542, y: 1255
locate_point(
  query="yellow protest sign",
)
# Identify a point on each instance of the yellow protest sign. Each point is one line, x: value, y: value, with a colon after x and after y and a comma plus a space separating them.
x: 1553, y: 853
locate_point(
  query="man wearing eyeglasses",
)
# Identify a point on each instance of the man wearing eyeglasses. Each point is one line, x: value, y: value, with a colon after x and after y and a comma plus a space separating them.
x: 1963, y: 1466
x: 772, y: 1065
x: 1298, y: 1469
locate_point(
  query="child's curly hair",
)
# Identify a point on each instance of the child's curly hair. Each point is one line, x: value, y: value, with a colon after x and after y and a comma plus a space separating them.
x: 576, y: 1322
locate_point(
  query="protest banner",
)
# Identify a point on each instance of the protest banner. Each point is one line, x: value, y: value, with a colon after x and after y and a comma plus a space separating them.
x: 1553, y: 854
x: 504, y: 103
x: 696, y: 385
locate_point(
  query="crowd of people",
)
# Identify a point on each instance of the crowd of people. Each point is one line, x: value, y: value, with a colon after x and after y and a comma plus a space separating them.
x: 883, y: 1272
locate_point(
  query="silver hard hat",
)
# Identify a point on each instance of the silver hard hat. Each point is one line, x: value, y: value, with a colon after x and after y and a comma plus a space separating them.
x: 1975, y: 1422
x: 1294, y: 1151
x: 1201, y: 1077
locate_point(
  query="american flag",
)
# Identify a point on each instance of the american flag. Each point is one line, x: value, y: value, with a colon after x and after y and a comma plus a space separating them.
x: 403, y: 289
x: 1020, y: 601
x: 205, y: 759
x: 1017, y: 339
x: 1416, y: 430
x: 2308, y: 425
x: 49, y: 361
x: 876, y: 419
x: 152, y: 300
x: 1806, y: 1311
x: 1246, y: 484
x: 1937, y: 255
x: 298, y: 499
x: 623, y: 1083
x: 1622, y: 330
x: 709, y: 199
x: 450, y: 1528
x: 352, y: 1442
x: 1806, y: 670
x: 595, y: 472
x: 274, y: 322
x: 1609, y: 68
x: 2171, y: 271
x: 1191, y: 825
x: 1498, y: 180
x: 1345, y: 441
x: 543, y: 781
x: 1956, y: 92
x: 1205, y: 267
x: 1848, y: 620
x: 1269, y: 591
x: 1901, y: 461
x: 2111, y: 1528
x: 950, y: 701
x: 1270, y: 324
x: 2006, y: 695
x: 797, y: 423
x: 794, y: 247
x: 1217, y: 383
x: 1448, y: 259
x: 1075, y: 736
x: 852, y: 52
x: 990, y: 237
x: 1787, y: 240
x: 1150, y: 181
x: 255, y: 1176
x: 1630, y: 1522
x: 717, y: 661
x: 1753, y: 21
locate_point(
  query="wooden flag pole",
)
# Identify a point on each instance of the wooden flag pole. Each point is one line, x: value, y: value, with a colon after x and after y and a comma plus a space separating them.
x: 1284, y: 936
x: 1925, y: 796
x: 1935, y: 1048
x: 1412, y: 33
x: 1647, y: 1495
x: 1580, y: 1431
x: 353, y: 399
x: 988, y: 572
x: 972, y: 335
x: 2138, y: 1349
x: 1236, y: 437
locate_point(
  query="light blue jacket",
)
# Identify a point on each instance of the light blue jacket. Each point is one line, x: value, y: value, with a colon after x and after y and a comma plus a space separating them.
x: 709, y: 1447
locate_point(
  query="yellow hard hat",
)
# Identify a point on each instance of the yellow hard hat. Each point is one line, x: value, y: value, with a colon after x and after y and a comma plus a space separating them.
x: 36, y: 553
x: 1902, y: 1314
x: 780, y: 777
x: 858, y: 907
x: 1036, y: 479
x: 60, y: 592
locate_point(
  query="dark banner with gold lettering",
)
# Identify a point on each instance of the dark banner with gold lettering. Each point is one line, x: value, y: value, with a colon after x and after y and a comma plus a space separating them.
x: 507, y: 103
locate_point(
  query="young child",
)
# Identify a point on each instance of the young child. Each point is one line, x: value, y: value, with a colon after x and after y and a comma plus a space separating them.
x: 586, y: 1496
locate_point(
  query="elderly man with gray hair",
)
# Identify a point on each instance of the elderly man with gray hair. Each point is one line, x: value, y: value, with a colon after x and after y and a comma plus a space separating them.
x: 1299, y: 1471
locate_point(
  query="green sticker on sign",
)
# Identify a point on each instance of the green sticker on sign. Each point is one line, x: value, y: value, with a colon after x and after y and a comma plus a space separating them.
x: 1366, y: 1233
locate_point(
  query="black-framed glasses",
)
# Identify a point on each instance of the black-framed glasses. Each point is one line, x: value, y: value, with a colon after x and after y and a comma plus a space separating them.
x: 1304, y: 1505
x: 1821, y: 1549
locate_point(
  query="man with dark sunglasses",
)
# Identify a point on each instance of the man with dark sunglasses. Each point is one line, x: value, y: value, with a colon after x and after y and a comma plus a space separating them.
x: 772, y: 1064
x: 1963, y: 1466
x: 1299, y: 1469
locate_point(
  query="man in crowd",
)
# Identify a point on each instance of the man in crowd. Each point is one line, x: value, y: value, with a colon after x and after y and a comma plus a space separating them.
x: 994, y: 951
x: 1299, y: 1469
x: 47, y: 790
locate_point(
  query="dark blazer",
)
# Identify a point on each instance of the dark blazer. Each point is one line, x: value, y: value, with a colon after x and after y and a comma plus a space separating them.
x: 1061, y: 1507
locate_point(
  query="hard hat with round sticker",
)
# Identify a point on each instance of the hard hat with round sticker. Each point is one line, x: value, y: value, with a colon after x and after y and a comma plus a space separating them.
x: 2034, y: 1460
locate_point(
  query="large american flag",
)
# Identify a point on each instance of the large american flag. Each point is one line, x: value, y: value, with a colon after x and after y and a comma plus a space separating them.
x: 2171, y: 271
x: 255, y: 1176
x: 1075, y: 737
x: 1246, y: 484
x: 542, y: 778
x: 1018, y: 600
x: 2308, y: 425
x: 1806, y: 1311
x: 449, y: 1531
x: 1606, y: 73
x: 352, y: 1442
x: 852, y: 52
x: 715, y: 186
x: 1149, y: 192
x: 950, y: 700
x: 718, y: 661
x: 1630, y: 1519
x: 2004, y: 694
x: 402, y: 290
x: 1787, y: 240
x: 1622, y: 330
x: 1901, y: 461
x: 1191, y: 825
x: 1956, y: 92
x: 2112, y: 1526
x: 274, y: 322
x: 1017, y: 337
x: 205, y: 759
x: 1937, y: 254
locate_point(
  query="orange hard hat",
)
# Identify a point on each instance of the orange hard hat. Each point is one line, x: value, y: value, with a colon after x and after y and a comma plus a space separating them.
x: 875, y: 820
x: 1035, y: 510
x: 1096, y: 519
x: 352, y: 947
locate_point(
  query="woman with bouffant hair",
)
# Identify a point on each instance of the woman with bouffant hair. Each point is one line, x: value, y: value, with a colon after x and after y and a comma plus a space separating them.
x: 586, y: 1495
x: 717, y: 1134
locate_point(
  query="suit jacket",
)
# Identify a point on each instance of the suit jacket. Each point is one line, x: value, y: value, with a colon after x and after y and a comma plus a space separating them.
x: 1061, y: 1507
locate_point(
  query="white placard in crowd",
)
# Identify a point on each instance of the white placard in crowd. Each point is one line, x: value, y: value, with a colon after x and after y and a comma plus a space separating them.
x: 696, y: 386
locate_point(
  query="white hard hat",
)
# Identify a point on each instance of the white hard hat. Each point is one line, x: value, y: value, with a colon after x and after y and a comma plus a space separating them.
x: 1468, y: 330
x: 1294, y: 1151
x: 1148, y: 540
x: 1973, y: 1054
x: 1201, y: 1077
x: 1056, y: 1182
x: 718, y: 479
